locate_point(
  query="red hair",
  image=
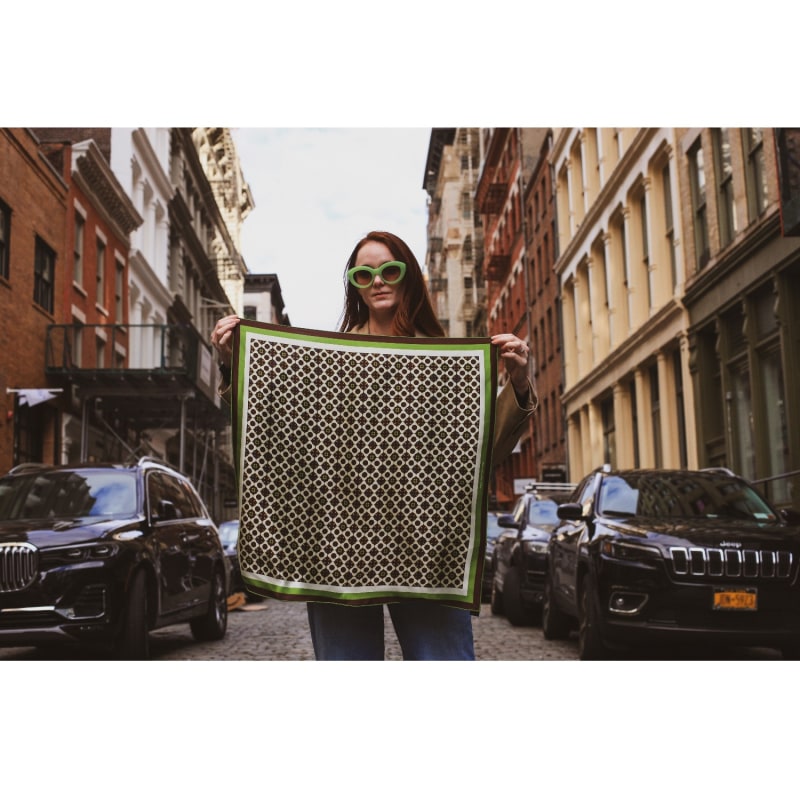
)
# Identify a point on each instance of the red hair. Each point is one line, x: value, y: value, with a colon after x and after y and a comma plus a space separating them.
x: 414, y: 312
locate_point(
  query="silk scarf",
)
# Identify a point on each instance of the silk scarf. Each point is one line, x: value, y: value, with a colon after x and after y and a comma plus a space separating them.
x: 362, y: 464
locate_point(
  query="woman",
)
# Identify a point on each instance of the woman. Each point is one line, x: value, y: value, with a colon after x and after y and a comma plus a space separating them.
x: 386, y: 295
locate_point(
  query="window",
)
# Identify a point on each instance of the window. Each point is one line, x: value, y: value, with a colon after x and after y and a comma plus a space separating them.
x: 77, y: 343
x: 5, y: 238
x: 466, y: 205
x: 645, y: 248
x: 723, y: 172
x: 101, y: 352
x: 697, y: 182
x: 101, y: 273
x: 634, y: 423
x: 655, y: 411
x: 755, y: 174
x: 669, y: 224
x: 44, y: 270
x: 609, y: 431
x: 77, y: 269
x: 678, y: 373
x: 119, y: 292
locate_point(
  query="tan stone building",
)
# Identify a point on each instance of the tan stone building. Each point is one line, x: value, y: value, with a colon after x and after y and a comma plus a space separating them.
x: 628, y: 395
x: 680, y: 289
x: 454, y: 231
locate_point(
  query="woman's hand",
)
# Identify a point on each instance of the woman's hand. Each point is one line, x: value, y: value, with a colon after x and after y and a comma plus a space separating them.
x: 515, y: 354
x: 222, y: 338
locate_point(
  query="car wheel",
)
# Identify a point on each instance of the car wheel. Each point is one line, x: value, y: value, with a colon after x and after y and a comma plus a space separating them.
x: 496, y: 600
x: 590, y: 642
x: 214, y: 622
x: 555, y: 623
x: 512, y: 599
x: 133, y: 641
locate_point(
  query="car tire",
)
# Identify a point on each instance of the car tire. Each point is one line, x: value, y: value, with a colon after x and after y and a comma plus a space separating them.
x: 133, y: 641
x: 213, y: 624
x: 512, y: 599
x: 590, y: 642
x: 555, y: 623
x: 496, y: 600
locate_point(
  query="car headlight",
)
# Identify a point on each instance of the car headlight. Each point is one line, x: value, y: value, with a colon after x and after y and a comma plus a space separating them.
x: 630, y: 552
x: 535, y: 547
x: 83, y: 552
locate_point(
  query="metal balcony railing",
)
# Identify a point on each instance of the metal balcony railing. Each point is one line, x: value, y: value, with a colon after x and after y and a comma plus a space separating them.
x: 116, y: 348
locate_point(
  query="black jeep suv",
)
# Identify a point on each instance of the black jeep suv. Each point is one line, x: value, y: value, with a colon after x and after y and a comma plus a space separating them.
x: 106, y: 553
x: 669, y: 556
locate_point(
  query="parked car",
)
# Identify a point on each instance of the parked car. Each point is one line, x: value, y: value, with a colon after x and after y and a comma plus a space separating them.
x: 229, y: 536
x: 105, y: 554
x: 672, y: 556
x: 519, y: 561
x: 493, y: 530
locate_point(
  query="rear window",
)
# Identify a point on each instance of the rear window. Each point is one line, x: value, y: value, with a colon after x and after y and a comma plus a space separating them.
x: 66, y: 495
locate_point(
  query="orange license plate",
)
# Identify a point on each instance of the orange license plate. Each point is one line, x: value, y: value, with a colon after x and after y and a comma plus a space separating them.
x: 735, y: 599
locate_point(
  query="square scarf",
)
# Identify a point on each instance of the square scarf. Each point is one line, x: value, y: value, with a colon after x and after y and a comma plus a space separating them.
x: 363, y: 464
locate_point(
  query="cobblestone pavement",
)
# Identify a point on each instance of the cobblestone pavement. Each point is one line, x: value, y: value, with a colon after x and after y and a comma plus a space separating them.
x: 275, y: 630
x: 278, y: 631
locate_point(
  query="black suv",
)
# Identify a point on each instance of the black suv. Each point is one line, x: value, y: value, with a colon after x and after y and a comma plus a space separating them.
x: 672, y: 556
x: 106, y: 553
x: 519, y: 557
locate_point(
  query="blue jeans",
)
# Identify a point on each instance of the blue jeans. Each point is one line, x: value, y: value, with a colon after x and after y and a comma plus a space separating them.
x: 426, y: 631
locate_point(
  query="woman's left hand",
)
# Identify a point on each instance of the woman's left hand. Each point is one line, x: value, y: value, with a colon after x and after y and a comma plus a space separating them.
x: 515, y: 354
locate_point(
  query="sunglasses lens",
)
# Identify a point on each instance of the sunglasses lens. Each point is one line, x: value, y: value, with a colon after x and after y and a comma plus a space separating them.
x: 362, y: 277
x: 390, y: 274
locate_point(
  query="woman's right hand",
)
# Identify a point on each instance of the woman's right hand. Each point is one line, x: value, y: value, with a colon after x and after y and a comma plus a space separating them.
x: 222, y: 338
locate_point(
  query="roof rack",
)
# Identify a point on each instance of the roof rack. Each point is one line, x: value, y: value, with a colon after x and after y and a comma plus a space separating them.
x: 537, y: 486
x: 30, y: 466
x: 155, y: 460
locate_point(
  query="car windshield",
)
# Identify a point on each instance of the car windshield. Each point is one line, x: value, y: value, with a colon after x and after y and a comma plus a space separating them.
x: 229, y: 533
x: 543, y: 512
x: 683, y: 495
x: 67, y: 494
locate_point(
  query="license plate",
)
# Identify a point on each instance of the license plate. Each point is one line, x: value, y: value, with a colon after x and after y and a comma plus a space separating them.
x: 735, y: 599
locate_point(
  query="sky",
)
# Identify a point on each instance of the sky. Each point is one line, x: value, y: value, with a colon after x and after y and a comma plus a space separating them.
x: 316, y: 192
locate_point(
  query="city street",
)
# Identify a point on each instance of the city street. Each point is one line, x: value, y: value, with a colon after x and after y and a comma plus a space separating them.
x: 275, y: 630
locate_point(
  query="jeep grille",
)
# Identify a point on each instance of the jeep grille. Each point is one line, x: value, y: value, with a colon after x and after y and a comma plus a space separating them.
x: 716, y: 562
x: 18, y: 565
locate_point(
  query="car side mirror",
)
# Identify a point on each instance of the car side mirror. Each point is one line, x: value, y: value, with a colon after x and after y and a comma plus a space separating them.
x: 165, y: 510
x: 507, y: 521
x: 791, y: 516
x: 570, y: 511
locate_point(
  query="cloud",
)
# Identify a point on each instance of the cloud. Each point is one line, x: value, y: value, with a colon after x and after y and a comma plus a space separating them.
x: 316, y: 192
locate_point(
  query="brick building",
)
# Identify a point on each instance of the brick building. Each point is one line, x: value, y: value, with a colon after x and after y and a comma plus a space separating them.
x: 91, y: 331
x: 545, y: 318
x: 33, y: 203
x: 509, y: 156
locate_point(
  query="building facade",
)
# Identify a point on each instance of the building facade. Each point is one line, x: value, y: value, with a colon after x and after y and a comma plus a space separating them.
x: 539, y: 223
x: 455, y: 234
x: 34, y: 199
x: 742, y: 295
x: 628, y: 395
x: 509, y: 156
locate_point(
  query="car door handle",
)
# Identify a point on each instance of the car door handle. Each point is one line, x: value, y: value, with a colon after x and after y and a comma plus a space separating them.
x: 190, y: 537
